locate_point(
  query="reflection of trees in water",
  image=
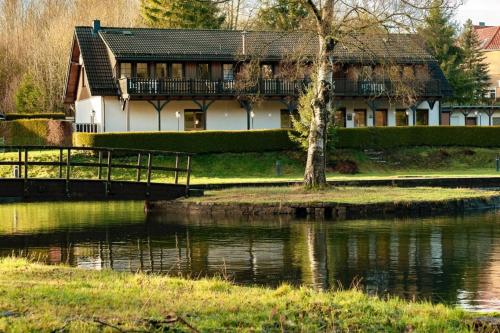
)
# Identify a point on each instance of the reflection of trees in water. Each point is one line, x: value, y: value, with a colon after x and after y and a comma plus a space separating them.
x: 432, y: 258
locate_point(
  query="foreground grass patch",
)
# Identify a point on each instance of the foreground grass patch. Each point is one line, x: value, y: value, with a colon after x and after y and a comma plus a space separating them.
x: 48, y: 298
x: 346, y: 195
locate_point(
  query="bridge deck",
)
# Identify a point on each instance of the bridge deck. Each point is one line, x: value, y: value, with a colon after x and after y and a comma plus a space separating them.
x: 102, y: 186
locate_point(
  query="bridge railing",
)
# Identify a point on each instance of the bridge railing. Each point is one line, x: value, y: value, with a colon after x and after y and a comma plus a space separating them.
x: 103, y: 161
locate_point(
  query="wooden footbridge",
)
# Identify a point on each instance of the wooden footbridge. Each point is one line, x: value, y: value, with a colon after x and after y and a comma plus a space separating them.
x: 81, y: 173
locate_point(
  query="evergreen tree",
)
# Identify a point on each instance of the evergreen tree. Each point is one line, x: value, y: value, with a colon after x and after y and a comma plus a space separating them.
x: 183, y: 14
x: 439, y: 35
x: 28, y: 96
x: 473, y: 65
x: 282, y: 15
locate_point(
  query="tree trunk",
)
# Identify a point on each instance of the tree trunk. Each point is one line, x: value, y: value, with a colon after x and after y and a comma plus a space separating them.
x: 315, y: 173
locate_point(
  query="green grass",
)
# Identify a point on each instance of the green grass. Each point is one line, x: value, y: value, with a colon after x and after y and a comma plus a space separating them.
x: 50, y: 298
x: 260, y: 167
x: 345, y: 195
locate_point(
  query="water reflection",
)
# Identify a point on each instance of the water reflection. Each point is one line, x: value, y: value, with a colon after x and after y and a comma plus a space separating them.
x: 455, y: 260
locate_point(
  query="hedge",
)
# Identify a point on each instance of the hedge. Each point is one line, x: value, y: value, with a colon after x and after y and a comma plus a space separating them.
x: 394, y: 137
x: 36, y: 132
x: 17, y: 116
x: 274, y: 140
x: 194, y: 142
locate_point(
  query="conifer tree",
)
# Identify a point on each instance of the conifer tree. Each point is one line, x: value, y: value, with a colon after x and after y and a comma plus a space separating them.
x: 28, y: 96
x: 282, y: 15
x: 439, y: 35
x: 473, y: 65
x: 183, y: 14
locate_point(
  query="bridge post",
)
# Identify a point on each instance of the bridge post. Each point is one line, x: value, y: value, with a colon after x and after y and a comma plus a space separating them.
x: 99, y: 169
x: 139, y: 158
x: 20, y: 165
x: 108, y: 183
x: 60, y: 163
x: 68, y: 171
x: 176, y: 175
x: 25, y: 189
x: 188, y: 176
x: 150, y: 161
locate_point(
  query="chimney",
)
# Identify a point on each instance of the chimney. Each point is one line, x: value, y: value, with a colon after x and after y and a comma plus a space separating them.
x: 244, y: 42
x: 96, y: 26
x: 482, y: 24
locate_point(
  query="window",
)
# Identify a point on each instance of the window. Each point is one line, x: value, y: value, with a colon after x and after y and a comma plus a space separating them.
x: 360, y: 118
x: 161, y: 71
x: 177, y: 71
x: 194, y: 120
x: 491, y: 93
x: 422, y: 117
x: 125, y: 70
x: 496, y: 121
x: 471, y: 121
x: 267, y: 72
x: 339, y: 118
x: 203, y: 72
x: 381, y: 118
x: 286, y: 118
x: 401, y: 117
x: 228, y: 72
x: 142, y: 71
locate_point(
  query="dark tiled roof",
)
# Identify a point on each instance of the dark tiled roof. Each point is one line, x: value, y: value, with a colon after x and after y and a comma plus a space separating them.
x: 169, y: 44
x: 437, y: 74
x: 96, y: 61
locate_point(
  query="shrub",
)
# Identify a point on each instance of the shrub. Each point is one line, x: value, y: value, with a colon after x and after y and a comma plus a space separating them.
x: 194, y: 142
x: 16, y: 116
x: 346, y: 167
x: 36, y: 132
x: 28, y: 96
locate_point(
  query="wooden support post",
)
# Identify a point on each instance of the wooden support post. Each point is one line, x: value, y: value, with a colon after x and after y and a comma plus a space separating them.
x: 99, y: 169
x: 188, y: 175
x: 150, y: 161
x: 20, y: 162
x: 176, y: 175
x: 25, y: 184
x: 68, y: 171
x: 60, y: 163
x: 139, y: 158
x: 108, y: 183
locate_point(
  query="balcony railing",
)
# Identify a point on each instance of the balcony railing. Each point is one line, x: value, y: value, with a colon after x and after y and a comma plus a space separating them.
x: 171, y: 87
x: 274, y: 87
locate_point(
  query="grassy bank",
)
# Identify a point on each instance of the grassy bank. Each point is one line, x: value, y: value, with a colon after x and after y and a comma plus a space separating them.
x: 344, y: 195
x: 259, y: 167
x: 50, y: 298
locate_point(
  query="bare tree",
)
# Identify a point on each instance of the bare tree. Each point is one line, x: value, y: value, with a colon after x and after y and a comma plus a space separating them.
x: 336, y: 21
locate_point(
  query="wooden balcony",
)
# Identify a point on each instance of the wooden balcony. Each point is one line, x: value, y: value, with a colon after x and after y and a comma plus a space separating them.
x: 135, y: 87
x: 146, y: 88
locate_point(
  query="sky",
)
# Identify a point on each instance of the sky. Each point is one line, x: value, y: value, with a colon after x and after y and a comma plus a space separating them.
x: 487, y: 11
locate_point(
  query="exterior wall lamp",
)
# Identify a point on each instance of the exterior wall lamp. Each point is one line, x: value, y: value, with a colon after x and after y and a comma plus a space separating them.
x: 178, y: 116
x: 252, y: 115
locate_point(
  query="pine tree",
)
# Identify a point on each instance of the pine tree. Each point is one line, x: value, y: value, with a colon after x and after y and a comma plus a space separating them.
x: 439, y: 35
x: 183, y: 14
x: 473, y: 65
x: 282, y: 15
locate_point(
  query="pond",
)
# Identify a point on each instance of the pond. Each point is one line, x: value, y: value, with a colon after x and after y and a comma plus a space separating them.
x: 455, y: 260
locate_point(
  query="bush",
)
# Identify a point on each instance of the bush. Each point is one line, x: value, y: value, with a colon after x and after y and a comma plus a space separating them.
x: 394, y: 137
x: 17, y: 116
x: 36, y: 132
x: 28, y: 96
x: 194, y: 142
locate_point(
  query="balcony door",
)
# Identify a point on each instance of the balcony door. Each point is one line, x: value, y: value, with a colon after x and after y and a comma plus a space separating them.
x: 402, y: 117
x: 194, y: 120
x: 381, y: 118
x: 340, y: 118
x: 471, y: 121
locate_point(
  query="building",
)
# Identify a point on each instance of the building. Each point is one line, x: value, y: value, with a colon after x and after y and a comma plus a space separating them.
x: 490, y: 39
x: 136, y: 79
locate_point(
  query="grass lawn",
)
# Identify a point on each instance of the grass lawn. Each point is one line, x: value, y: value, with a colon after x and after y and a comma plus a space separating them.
x: 35, y: 297
x: 348, y: 195
x: 260, y: 167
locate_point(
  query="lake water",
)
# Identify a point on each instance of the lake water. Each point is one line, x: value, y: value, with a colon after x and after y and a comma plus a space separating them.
x: 455, y: 260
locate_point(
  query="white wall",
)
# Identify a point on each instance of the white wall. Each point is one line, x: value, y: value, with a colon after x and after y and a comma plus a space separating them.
x: 115, y: 117
x: 84, y: 108
x: 267, y: 115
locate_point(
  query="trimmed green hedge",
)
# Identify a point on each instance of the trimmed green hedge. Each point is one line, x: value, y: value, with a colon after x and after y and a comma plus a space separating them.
x: 393, y: 137
x: 17, y: 116
x: 193, y: 142
x: 36, y: 132
x: 274, y: 140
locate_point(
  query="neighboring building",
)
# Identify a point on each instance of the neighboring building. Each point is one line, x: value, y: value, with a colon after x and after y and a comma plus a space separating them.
x: 135, y: 79
x: 490, y: 39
